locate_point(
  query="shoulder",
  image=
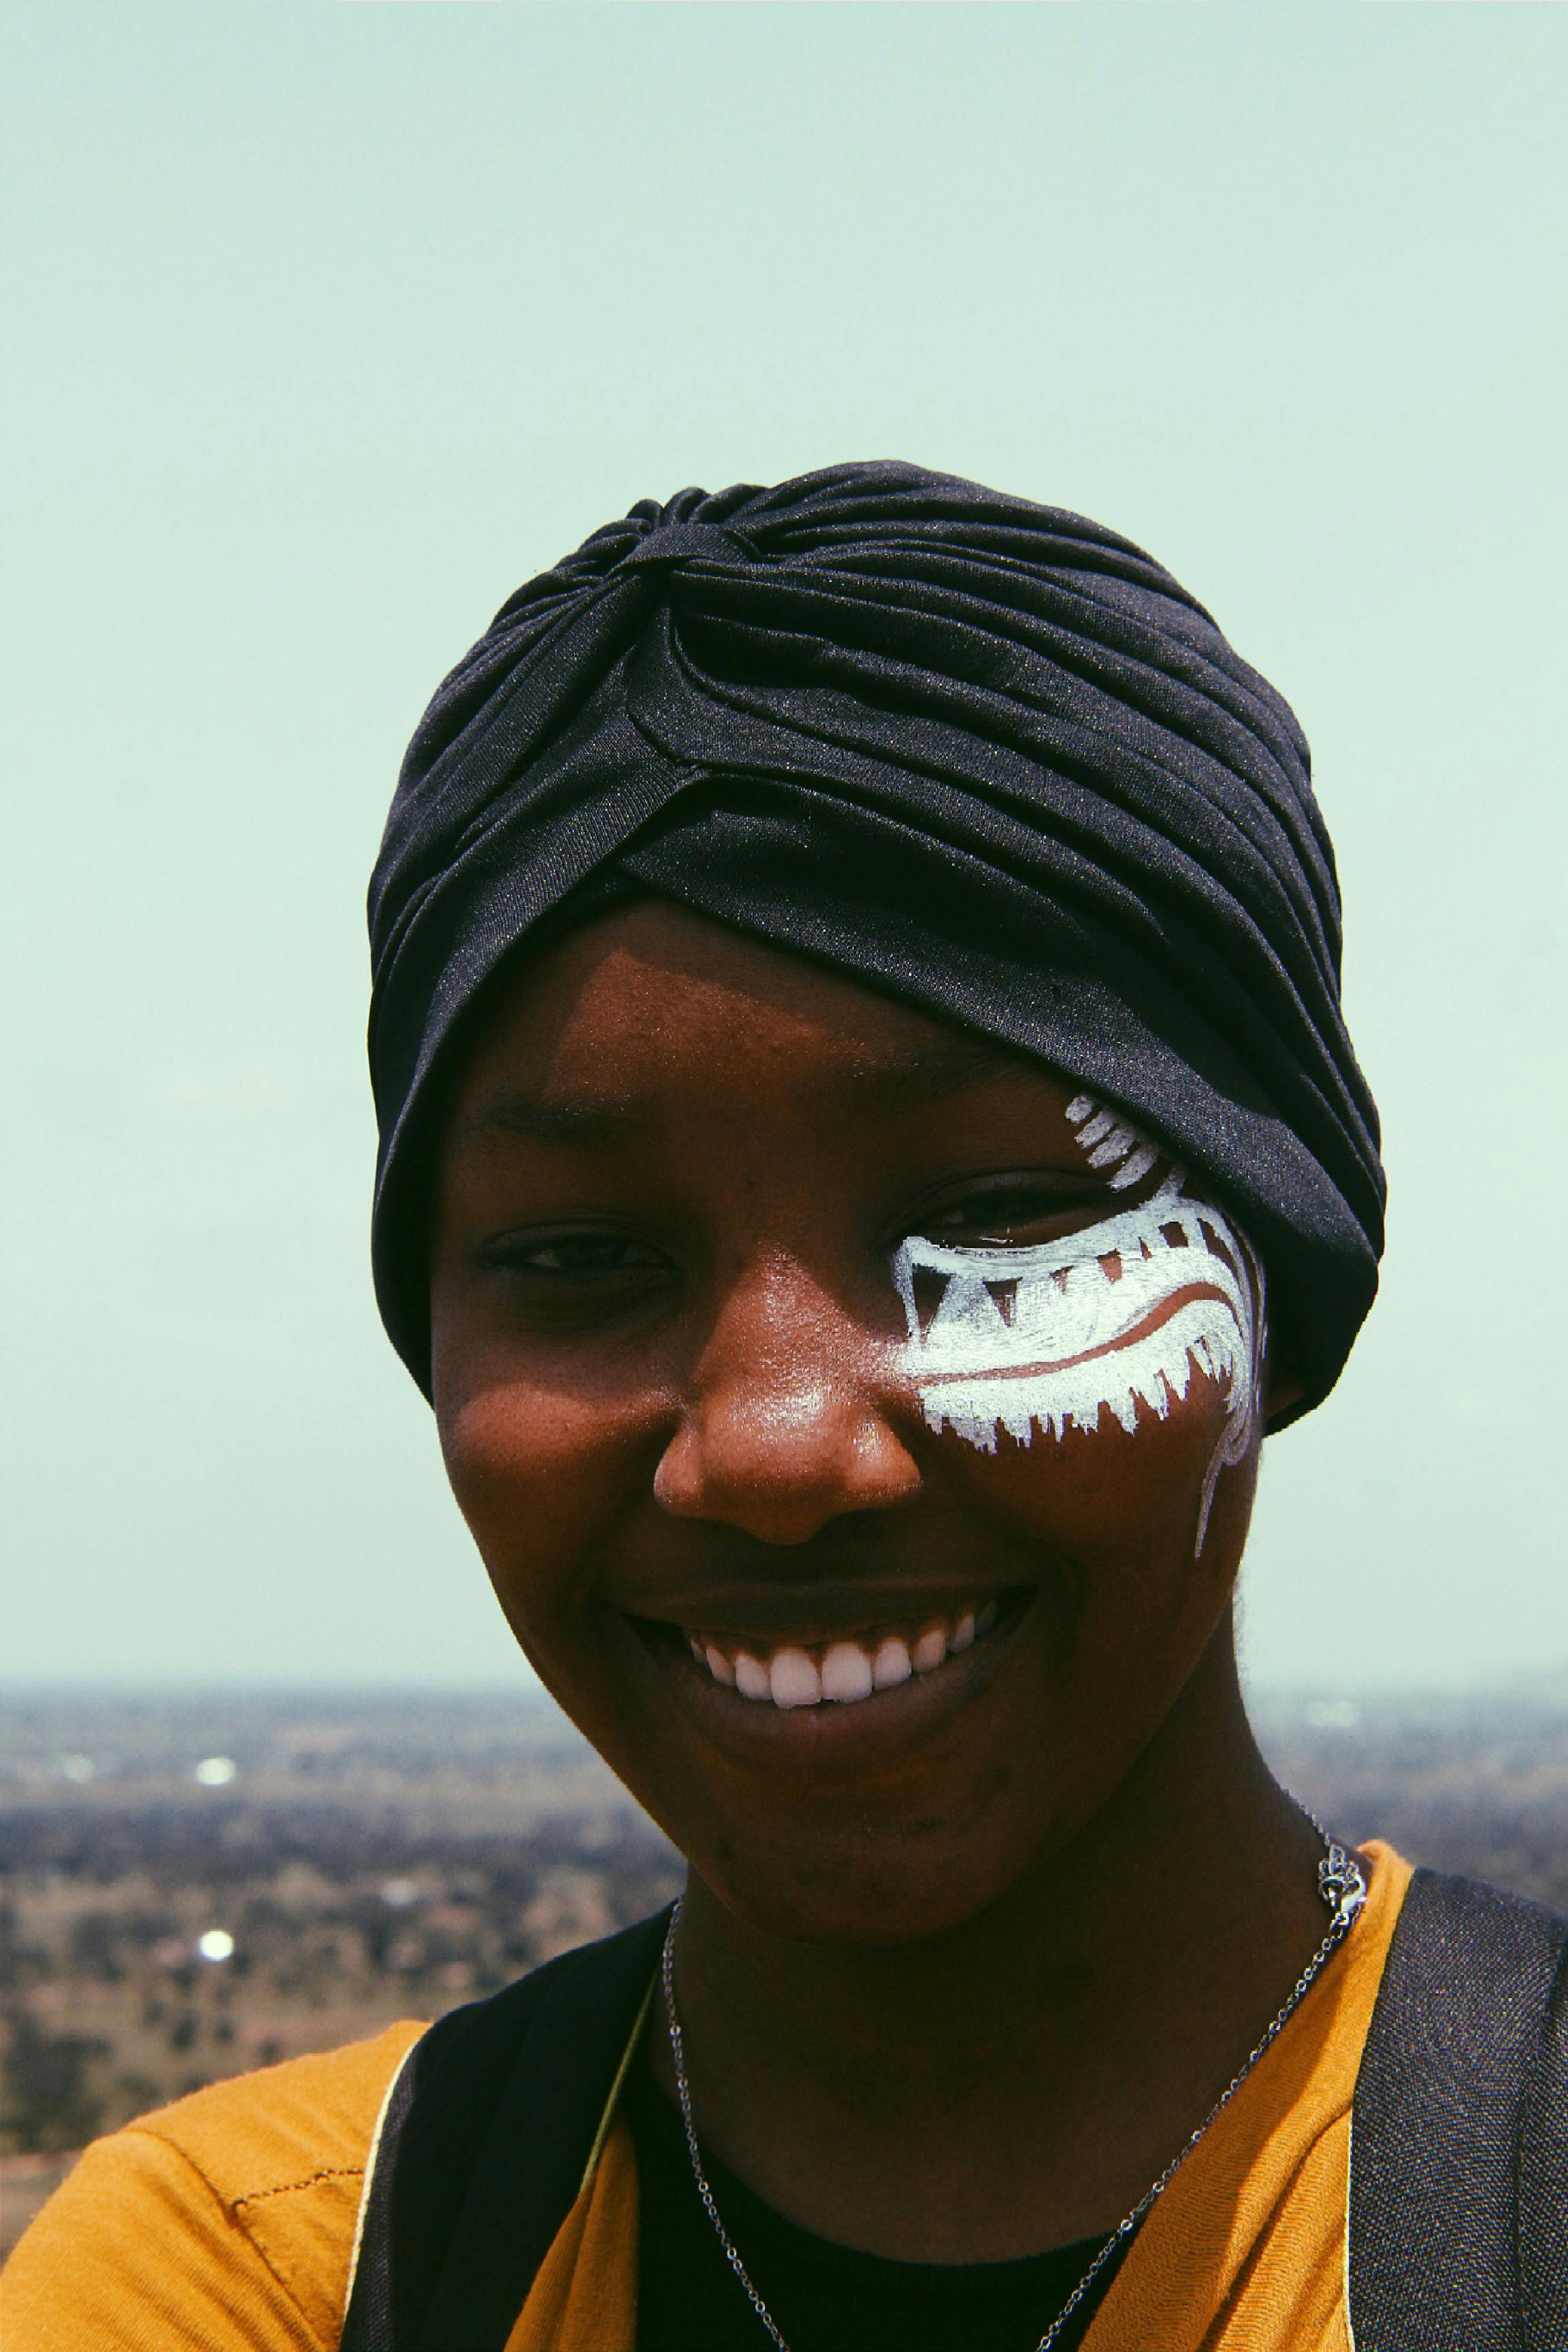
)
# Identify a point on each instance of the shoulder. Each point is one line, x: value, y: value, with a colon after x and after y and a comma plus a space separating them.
x: 225, y: 2219
x: 263, y: 2135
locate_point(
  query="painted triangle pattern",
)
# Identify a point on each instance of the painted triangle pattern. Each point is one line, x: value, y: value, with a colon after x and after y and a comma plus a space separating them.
x: 1115, y: 1317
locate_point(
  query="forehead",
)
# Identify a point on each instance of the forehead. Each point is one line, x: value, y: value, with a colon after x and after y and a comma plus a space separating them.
x: 653, y: 1000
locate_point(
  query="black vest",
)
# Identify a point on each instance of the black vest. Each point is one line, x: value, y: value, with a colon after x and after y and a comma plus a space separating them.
x: 1459, y: 2210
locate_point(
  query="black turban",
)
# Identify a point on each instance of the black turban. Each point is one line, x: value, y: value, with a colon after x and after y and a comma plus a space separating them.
x: 983, y: 755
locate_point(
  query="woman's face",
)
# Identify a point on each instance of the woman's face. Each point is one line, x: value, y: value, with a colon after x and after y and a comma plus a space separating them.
x: 762, y: 1354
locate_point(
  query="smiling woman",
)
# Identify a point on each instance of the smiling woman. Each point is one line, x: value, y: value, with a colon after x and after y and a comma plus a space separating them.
x: 869, y: 1148
x: 865, y: 1676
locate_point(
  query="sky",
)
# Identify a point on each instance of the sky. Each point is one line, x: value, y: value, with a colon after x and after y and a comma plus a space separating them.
x: 328, y: 325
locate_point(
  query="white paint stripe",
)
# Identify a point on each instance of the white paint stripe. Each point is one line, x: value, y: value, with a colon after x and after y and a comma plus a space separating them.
x: 1136, y: 1169
x: 1117, y: 1145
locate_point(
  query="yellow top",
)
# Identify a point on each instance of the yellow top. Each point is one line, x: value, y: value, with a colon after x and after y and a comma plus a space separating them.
x: 225, y: 2222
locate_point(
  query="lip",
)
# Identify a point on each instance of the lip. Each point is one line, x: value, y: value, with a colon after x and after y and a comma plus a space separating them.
x: 841, y: 1611
x: 874, y: 1732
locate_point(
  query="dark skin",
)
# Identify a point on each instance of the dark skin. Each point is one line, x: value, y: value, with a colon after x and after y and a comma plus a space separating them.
x: 961, y: 1965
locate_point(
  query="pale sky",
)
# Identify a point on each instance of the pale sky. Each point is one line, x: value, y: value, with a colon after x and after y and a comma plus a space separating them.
x: 327, y: 326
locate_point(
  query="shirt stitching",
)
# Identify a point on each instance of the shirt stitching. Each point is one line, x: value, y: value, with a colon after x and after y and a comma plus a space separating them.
x: 287, y: 2188
x: 229, y: 2212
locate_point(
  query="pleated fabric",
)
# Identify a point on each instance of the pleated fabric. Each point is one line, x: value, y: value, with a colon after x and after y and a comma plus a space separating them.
x: 983, y: 755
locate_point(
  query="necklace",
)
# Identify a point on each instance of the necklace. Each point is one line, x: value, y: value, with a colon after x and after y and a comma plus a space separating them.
x: 1341, y: 1886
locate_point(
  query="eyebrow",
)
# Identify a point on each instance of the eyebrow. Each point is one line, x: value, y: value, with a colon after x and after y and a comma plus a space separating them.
x: 552, y: 1118
x: 900, y: 1081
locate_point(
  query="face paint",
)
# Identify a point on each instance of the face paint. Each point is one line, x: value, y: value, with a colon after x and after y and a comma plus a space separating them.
x: 1045, y: 1337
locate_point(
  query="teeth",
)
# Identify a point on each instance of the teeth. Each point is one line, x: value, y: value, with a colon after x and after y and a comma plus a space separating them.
x: 846, y: 1674
x: 891, y: 1663
x: 843, y: 1673
x: 795, y: 1679
x: 751, y: 1679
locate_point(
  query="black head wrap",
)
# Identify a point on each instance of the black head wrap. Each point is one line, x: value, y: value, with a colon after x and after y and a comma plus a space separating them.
x: 981, y: 754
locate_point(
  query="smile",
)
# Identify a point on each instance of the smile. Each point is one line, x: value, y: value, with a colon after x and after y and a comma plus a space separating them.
x: 842, y: 1673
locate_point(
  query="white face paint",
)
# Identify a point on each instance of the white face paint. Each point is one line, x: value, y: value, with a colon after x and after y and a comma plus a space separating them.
x: 1045, y: 1337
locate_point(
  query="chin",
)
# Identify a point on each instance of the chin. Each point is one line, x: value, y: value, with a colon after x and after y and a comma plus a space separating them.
x: 852, y: 1900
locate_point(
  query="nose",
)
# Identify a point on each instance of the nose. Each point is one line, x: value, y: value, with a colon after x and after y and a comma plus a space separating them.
x: 782, y: 1428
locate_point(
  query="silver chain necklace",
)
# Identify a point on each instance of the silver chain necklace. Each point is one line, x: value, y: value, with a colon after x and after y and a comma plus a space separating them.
x: 1344, y: 1889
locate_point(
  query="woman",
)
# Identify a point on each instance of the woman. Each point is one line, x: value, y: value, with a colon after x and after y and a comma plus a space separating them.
x: 869, y: 1146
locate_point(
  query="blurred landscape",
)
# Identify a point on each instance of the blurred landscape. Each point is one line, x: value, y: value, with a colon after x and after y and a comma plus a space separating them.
x: 194, y: 1884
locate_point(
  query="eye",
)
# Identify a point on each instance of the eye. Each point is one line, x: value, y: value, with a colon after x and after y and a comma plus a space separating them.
x: 568, y: 1283
x: 1013, y: 1210
x: 591, y: 1255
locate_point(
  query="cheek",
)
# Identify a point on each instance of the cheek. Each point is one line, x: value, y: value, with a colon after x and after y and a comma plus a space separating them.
x: 1111, y: 1516
x: 540, y: 1482
x: 1104, y: 1490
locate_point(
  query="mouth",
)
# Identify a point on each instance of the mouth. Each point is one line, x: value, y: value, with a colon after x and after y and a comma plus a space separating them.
x: 846, y: 1670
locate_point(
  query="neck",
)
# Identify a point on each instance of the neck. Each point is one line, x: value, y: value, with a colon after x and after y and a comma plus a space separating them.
x: 1020, y: 2080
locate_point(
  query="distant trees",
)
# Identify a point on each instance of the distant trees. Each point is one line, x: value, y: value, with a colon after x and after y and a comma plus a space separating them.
x: 53, y: 2094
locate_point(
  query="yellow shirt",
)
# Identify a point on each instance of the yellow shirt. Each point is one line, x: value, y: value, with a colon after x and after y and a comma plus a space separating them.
x: 227, y: 2222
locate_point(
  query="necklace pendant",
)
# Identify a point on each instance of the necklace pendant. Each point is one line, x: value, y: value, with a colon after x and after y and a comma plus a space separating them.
x: 1339, y: 1881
